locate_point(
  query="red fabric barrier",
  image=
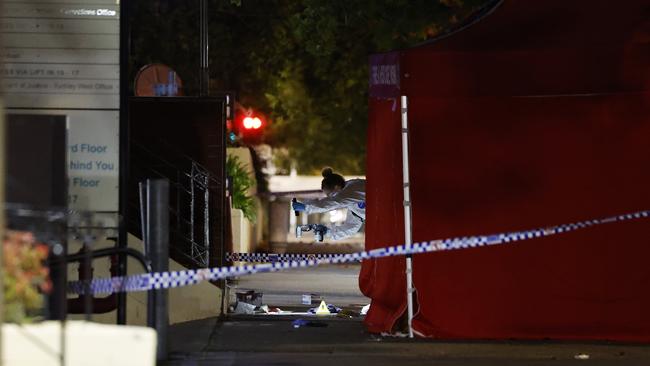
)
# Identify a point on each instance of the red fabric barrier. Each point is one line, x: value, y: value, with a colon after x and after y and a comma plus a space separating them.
x: 512, y: 134
x: 384, y: 279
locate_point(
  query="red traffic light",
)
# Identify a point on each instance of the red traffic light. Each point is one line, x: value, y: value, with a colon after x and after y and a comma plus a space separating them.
x: 249, y: 126
x: 252, y: 123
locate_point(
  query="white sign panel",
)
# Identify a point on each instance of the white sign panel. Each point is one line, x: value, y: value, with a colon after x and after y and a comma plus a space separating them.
x: 93, y: 158
x: 62, y: 57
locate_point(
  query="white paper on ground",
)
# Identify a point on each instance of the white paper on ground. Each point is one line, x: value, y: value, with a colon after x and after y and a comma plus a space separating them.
x: 244, y: 308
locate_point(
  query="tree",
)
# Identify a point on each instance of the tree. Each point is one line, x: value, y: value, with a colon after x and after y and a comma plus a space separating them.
x: 304, y: 63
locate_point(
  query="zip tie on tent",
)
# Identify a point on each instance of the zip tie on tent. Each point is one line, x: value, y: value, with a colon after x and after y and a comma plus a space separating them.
x: 164, y: 280
x: 273, y: 257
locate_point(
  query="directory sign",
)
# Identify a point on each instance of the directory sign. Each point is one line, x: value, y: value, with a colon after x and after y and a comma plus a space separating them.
x: 61, y: 57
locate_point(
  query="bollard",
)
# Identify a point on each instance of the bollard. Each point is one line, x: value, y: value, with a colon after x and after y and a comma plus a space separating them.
x: 157, y: 235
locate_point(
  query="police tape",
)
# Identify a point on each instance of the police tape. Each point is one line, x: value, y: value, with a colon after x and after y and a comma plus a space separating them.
x: 276, y: 257
x: 164, y: 280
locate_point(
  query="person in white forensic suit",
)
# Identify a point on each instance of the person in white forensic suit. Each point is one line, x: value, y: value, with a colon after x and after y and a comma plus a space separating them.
x: 350, y: 194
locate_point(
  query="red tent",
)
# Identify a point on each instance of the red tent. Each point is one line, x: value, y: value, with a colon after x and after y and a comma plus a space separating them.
x: 536, y: 114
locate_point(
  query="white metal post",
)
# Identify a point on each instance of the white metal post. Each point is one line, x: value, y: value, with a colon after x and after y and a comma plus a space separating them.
x: 408, y: 226
x: 206, y: 219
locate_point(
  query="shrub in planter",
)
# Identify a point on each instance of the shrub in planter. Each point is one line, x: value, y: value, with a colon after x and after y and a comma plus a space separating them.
x: 25, y: 277
x: 242, y: 181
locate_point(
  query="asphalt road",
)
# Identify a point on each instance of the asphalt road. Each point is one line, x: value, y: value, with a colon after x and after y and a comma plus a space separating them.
x: 273, y: 340
x: 337, y: 284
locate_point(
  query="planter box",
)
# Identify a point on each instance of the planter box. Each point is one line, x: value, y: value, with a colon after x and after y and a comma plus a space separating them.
x: 85, y: 343
x: 242, y: 230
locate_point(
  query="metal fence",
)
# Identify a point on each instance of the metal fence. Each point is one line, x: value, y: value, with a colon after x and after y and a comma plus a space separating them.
x: 192, y: 208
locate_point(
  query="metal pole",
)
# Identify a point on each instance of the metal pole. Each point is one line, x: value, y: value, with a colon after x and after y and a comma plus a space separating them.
x: 87, y: 264
x: 58, y: 273
x: 124, y: 153
x: 145, y: 206
x: 204, y: 75
x: 178, y: 187
x: 192, y: 245
x: 2, y: 213
x: 158, y: 235
x: 206, y: 219
x: 408, y: 225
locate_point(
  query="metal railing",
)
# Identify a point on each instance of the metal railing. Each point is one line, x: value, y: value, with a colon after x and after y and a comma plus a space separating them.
x: 192, y: 187
x: 58, y: 227
x: 200, y: 181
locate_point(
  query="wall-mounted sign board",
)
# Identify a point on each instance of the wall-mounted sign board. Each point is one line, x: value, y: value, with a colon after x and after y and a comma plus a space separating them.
x: 61, y: 57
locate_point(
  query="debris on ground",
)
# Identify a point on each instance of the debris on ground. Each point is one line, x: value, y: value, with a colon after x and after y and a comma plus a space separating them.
x: 394, y: 335
x: 581, y: 356
x: 250, y: 303
x: 244, y: 308
x: 348, y: 313
x: 250, y: 297
x: 308, y: 323
x: 311, y: 299
x: 364, y: 310
x: 262, y: 309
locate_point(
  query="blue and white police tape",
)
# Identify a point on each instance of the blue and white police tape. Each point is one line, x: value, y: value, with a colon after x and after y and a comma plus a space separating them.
x: 273, y: 257
x: 162, y: 280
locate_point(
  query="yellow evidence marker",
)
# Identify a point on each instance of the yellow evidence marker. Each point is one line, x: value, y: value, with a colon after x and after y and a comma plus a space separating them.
x: 322, y: 309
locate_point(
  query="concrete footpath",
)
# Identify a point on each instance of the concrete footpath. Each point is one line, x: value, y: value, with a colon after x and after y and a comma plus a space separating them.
x: 272, y: 340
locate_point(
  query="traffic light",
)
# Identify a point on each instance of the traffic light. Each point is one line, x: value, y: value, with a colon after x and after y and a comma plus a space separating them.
x: 252, y: 123
x: 249, y: 126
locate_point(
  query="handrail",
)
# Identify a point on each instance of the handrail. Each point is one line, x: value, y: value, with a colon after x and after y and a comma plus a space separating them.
x: 182, y: 172
x: 105, y: 252
x: 176, y: 184
x: 187, y: 158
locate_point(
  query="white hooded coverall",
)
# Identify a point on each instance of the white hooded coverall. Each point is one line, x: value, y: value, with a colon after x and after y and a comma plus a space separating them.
x: 352, y: 197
